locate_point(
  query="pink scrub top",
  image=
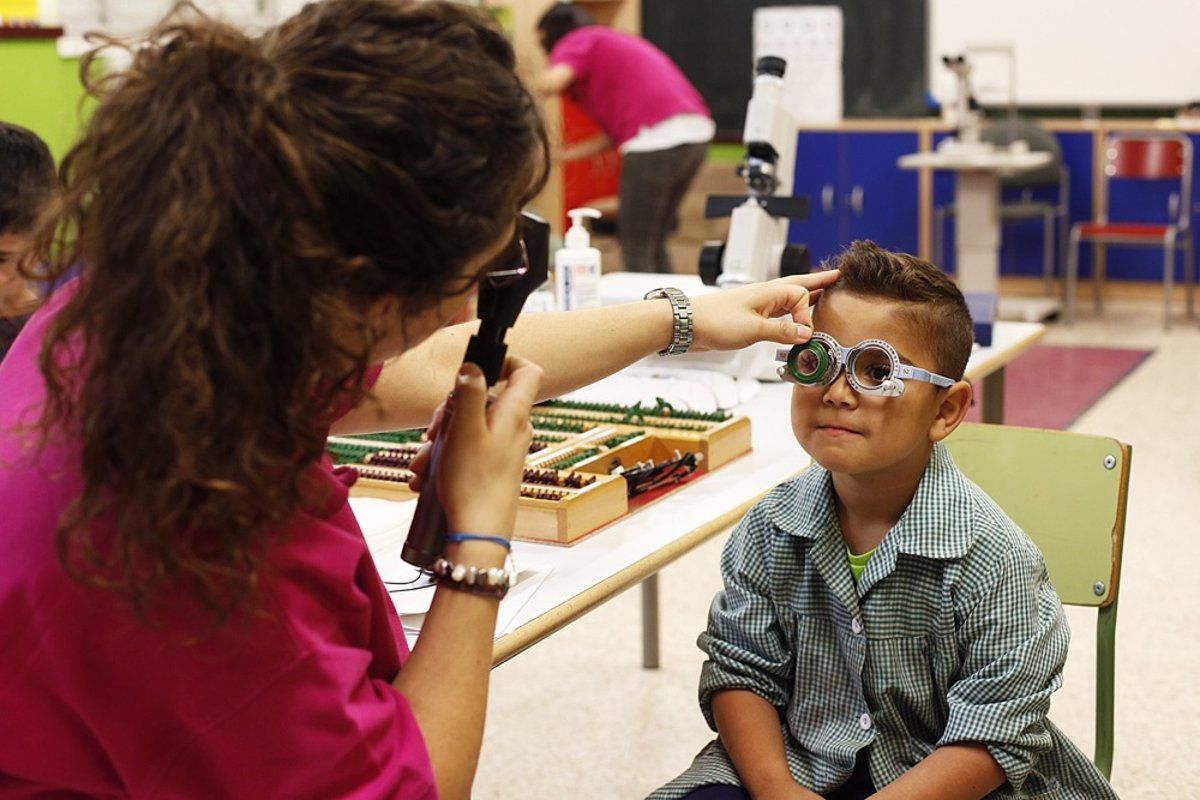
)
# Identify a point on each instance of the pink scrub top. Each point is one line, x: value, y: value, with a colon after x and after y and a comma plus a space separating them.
x: 290, y: 699
x: 623, y: 81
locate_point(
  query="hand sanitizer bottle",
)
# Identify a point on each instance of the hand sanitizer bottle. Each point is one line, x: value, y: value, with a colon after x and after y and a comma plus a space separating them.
x: 577, y: 265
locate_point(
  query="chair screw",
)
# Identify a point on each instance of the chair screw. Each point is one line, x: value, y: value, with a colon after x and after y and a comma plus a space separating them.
x: 1110, y: 462
x: 1098, y: 588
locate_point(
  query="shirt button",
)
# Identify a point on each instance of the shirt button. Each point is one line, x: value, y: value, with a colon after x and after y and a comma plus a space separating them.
x: 855, y: 625
x: 864, y: 722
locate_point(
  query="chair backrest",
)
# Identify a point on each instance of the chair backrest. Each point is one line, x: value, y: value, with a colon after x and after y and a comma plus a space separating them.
x: 1066, y: 490
x: 1157, y: 157
x: 1153, y: 156
x: 1006, y: 131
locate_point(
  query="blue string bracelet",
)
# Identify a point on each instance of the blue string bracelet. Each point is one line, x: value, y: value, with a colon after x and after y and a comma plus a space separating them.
x: 479, y: 537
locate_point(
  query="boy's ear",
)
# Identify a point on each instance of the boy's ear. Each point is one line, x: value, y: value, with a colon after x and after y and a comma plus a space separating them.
x: 952, y: 410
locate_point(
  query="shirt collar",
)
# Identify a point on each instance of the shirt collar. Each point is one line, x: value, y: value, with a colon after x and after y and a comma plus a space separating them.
x: 935, y: 525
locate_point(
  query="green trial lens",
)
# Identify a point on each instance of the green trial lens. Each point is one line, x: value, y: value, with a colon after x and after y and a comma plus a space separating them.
x: 809, y: 363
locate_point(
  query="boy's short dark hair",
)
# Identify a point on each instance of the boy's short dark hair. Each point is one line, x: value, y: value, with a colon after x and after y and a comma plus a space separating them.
x: 931, y: 300
x: 26, y: 178
x: 559, y: 20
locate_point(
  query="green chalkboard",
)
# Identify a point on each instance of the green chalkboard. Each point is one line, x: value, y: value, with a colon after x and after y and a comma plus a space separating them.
x: 884, y: 53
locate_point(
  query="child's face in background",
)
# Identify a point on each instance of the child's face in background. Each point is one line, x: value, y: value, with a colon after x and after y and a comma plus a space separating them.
x: 854, y: 434
x: 13, y: 288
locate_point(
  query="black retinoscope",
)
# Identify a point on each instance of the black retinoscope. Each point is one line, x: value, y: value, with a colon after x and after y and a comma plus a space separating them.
x: 503, y: 291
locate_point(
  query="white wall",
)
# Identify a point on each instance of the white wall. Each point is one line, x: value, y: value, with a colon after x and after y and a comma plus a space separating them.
x: 1077, y: 52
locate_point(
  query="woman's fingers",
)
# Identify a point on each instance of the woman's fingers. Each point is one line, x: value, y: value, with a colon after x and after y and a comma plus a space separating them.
x: 468, y: 420
x: 435, y: 424
x: 523, y: 380
x: 420, y: 466
x: 775, y: 311
x: 484, y: 449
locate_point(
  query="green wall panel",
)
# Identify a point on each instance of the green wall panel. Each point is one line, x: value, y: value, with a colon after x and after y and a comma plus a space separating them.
x: 41, y: 91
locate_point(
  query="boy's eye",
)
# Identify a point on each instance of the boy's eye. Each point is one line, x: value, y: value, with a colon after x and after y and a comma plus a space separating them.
x: 872, y: 367
x: 878, y: 373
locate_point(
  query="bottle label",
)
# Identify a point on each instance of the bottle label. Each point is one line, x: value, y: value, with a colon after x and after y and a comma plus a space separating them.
x: 582, y: 287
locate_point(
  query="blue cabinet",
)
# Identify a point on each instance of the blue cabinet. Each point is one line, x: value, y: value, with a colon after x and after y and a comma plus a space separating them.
x: 882, y: 200
x: 855, y: 191
x: 816, y: 177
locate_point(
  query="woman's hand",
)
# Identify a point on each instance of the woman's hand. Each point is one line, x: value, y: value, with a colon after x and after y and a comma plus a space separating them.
x: 773, y: 311
x: 486, y: 440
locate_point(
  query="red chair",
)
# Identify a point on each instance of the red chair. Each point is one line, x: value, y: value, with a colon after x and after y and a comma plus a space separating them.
x: 1142, y: 157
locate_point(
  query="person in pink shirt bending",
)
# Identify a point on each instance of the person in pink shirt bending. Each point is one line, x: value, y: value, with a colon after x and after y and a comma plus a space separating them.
x: 262, y: 225
x: 645, y: 107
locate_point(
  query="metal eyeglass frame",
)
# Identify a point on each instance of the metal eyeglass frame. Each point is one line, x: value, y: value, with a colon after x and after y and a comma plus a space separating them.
x: 840, y: 358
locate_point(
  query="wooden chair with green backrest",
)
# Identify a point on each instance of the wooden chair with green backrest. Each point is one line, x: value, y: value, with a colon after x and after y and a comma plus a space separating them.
x: 1068, y: 492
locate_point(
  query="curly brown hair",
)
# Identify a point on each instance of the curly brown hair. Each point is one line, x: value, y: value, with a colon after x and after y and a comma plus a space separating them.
x: 234, y: 204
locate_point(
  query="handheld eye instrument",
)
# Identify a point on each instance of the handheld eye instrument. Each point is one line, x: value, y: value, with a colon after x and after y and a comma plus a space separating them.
x: 522, y: 267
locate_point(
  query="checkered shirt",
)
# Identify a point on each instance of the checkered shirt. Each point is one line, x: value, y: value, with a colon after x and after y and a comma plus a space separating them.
x: 953, y: 634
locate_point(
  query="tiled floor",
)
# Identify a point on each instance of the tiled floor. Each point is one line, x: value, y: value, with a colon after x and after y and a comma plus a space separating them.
x: 576, y: 716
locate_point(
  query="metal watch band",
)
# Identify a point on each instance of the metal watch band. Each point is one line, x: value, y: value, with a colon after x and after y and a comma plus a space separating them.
x: 681, y: 311
x: 494, y: 582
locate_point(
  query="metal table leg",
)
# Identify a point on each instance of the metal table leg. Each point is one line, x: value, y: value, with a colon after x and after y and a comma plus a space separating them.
x: 650, y: 622
x: 993, y: 397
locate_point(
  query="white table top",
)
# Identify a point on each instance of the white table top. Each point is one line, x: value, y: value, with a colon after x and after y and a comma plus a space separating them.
x: 625, y: 552
x: 1000, y: 161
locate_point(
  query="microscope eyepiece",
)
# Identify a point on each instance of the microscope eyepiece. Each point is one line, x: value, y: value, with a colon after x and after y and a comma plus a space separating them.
x: 771, y: 65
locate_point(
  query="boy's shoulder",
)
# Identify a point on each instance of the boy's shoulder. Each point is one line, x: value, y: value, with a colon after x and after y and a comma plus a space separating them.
x: 949, y: 518
x: 801, y: 505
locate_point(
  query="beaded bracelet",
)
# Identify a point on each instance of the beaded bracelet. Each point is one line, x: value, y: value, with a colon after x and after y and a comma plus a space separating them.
x: 478, y: 537
x: 494, y: 582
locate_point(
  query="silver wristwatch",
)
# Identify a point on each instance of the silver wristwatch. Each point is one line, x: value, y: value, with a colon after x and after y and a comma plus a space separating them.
x: 681, y: 310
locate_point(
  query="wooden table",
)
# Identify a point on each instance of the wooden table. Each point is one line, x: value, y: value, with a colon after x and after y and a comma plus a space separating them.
x: 633, y: 549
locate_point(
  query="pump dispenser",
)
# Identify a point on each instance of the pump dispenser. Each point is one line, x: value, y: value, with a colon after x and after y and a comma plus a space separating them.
x: 577, y: 265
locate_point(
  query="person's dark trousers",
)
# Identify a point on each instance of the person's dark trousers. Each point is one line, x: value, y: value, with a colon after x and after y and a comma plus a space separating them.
x: 718, y: 791
x: 857, y: 787
x: 652, y: 187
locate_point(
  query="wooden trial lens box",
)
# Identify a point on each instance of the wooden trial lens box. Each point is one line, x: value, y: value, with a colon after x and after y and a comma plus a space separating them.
x: 568, y: 490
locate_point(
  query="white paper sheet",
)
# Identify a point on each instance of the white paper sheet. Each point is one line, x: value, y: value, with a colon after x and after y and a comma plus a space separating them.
x: 385, y: 526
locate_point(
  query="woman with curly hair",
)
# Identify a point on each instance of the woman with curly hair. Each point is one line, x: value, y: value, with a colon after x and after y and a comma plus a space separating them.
x: 263, y: 226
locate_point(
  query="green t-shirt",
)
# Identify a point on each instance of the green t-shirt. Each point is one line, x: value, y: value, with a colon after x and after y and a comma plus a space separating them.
x: 858, y: 563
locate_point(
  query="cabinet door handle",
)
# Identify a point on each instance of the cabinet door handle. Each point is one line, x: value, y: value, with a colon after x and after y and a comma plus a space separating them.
x: 827, y: 199
x: 855, y: 201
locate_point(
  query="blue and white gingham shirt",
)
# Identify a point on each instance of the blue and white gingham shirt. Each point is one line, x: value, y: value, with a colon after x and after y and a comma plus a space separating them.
x: 953, y: 634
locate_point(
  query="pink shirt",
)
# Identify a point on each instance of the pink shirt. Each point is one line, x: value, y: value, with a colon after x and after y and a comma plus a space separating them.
x: 294, y: 701
x: 623, y: 81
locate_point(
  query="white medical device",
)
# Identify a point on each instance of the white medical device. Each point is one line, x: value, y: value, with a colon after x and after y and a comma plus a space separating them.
x: 967, y: 116
x: 757, y: 248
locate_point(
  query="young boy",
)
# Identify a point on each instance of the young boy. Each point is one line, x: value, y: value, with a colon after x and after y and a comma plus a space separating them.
x: 885, y: 630
x: 27, y: 183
